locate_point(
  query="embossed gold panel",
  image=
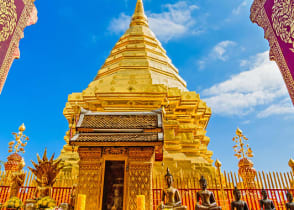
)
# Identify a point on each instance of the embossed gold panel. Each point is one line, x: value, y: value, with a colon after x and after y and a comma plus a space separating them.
x: 137, y: 174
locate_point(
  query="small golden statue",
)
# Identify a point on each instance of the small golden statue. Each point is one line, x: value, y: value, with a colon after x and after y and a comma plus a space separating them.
x: 290, y: 204
x: 73, y: 197
x: 17, y: 180
x: 46, y: 172
x: 172, y: 195
x: 238, y: 204
x: 117, y: 200
x: 265, y: 203
x: 207, y: 198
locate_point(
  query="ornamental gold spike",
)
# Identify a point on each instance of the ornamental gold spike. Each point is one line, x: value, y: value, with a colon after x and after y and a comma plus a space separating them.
x: 20, y: 141
x: 241, y: 149
x: 139, y: 17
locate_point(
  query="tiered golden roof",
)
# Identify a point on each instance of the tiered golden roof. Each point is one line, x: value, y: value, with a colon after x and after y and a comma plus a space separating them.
x: 139, y: 76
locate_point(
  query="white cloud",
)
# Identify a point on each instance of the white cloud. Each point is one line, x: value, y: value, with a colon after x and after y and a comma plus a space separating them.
x: 284, y: 107
x: 174, y: 22
x: 120, y: 24
x: 261, y: 85
x: 219, y: 50
x: 237, y: 10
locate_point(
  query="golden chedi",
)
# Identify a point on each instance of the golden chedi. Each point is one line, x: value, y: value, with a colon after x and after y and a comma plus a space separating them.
x: 139, y: 76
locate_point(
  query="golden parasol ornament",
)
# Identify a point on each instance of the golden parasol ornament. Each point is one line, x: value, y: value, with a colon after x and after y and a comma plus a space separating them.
x: 19, y: 142
x: 241, y: 149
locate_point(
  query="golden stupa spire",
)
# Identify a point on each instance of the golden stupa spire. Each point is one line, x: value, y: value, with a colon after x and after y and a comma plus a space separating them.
x: 139, y: 17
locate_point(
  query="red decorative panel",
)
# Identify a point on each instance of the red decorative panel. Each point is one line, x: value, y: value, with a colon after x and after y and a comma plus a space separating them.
x: 15, y: 15
x: 276, y: 17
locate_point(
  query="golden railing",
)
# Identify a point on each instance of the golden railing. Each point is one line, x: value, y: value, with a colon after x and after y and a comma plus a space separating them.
x: 60, y: 193
x: 222, y: 185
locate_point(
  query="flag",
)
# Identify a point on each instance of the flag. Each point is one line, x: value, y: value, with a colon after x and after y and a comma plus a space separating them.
x: 15, y: 15
x: 276, y: 17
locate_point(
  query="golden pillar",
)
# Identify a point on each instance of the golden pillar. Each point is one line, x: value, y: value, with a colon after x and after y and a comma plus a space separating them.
x: 291, y: 165
x: 90, y: 172
x: 140, y: 176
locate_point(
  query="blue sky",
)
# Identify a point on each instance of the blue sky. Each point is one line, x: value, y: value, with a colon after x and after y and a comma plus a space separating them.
x: 218, y: 51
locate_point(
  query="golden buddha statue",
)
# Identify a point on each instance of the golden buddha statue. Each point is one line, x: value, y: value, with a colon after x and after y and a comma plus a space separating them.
x: 238, y: 204
x: 43, y: 188
x: 265, y: 203
x: 17, y: 180
x: 207, y: 198
x: 290, y: 204
x: 172, y: 195
x: 117, y: 200
x: 46, y: 172
x: 73, y: 197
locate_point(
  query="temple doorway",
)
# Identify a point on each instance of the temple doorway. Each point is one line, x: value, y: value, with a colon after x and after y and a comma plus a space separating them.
x: 113, y: 185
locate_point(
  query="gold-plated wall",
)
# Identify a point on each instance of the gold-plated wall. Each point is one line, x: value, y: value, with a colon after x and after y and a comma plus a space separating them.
x: 90, y: 174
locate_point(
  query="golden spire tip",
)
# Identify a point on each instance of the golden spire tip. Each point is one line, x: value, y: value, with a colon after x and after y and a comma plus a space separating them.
x: 139, y: 17
x: 22, y: 127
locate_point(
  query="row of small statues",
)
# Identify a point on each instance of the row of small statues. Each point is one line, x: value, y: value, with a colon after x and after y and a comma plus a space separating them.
x: 173, y: 199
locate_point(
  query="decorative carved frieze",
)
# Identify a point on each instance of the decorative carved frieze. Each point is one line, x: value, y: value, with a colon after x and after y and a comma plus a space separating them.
x: 115, y: 151
x: 141, y: 153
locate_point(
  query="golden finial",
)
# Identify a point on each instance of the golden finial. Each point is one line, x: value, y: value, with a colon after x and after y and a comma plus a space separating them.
x: 20, y: 141
x: 22, y: 128
x: 217, y: 163
x: 139, y: 17
x: 291, y: 163
x: 242, y: 150
x: 239, y: 132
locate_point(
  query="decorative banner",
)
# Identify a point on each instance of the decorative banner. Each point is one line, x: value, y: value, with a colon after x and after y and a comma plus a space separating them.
x: 15, y: 15
x: 276, y: 17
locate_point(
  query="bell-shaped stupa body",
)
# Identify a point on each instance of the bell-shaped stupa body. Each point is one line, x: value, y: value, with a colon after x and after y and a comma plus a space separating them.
x: 139, y: 76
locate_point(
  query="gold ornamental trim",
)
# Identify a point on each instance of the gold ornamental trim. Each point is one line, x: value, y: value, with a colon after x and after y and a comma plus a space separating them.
x: 8, y: 19
x: 283, y: 19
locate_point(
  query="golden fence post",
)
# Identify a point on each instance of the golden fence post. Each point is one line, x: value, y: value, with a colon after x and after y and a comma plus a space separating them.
x: 291, y: 165
x: 218, y: 165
